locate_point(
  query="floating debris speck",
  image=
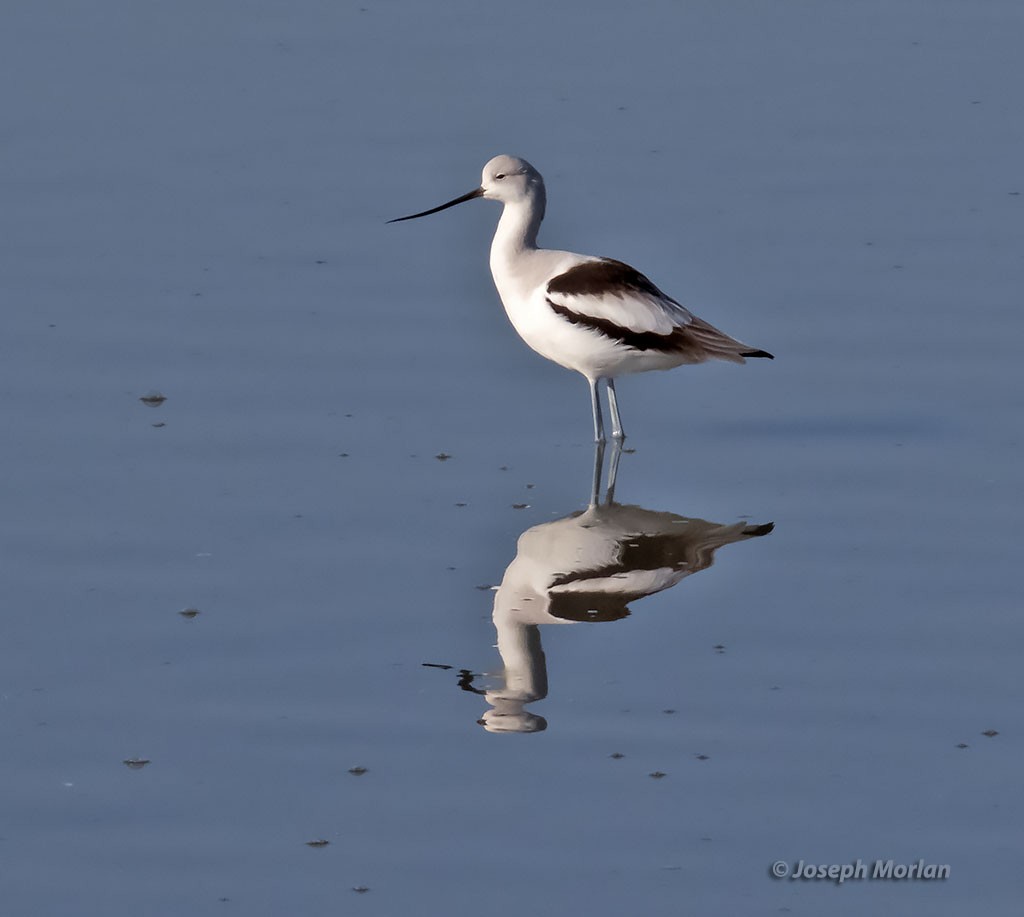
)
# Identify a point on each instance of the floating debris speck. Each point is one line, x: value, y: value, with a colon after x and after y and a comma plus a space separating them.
x: 153, y: 399
x: 360, y: 889
x: 135, y: 763
x: 657, y: 775
x: 317, y: 843
x: 358, y: 771
x: 962, y: 745
x: 190, y: 612
x: 442, y: 456
x: 616, y: 755
x: 520, y: 506
x: 990, y: 733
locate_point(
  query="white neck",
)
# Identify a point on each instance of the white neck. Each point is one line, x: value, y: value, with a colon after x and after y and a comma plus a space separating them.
x: 518, y: 227
x: 526, y: 675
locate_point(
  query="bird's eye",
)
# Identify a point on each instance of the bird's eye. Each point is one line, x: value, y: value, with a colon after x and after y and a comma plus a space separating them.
x: 499, y: 176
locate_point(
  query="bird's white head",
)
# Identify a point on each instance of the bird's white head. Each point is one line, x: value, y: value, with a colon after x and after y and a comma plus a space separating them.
x: 509, y: 179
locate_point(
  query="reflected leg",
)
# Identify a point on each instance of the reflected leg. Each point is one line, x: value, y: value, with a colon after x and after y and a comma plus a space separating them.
x: 613, y: 403
x: 613, y: 469
x: 595, y: 487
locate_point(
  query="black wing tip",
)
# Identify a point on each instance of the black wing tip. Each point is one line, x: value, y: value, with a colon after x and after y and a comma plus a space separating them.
x: 756, y: 531
x: 758, y: 353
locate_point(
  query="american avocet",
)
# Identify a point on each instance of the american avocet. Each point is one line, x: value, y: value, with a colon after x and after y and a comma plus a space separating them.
x: 597, y: 316
x: 590, y: 566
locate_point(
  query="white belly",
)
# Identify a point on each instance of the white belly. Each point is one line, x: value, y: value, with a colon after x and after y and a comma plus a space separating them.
x: 574, y: 346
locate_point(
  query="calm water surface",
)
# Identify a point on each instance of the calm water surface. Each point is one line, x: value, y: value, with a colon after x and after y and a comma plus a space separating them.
x: 355, y: 451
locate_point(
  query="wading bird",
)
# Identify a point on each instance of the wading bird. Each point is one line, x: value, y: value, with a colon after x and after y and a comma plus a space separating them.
x: 597, y: 316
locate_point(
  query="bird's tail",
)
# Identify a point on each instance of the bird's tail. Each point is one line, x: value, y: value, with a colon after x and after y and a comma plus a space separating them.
x: 706, y: 342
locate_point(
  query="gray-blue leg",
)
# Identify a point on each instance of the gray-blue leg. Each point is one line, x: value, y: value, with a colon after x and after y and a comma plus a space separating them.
x: 595, y: 404
x: 613, y: 404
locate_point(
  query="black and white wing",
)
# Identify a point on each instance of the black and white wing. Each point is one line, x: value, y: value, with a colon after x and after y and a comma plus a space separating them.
x: 617, y: 301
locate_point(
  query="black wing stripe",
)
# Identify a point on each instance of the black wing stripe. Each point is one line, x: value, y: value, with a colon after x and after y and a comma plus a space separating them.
x: 638, y: 340
x: 604, y: 277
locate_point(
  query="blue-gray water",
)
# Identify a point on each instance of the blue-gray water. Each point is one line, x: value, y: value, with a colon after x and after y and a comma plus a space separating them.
x: 194, y: 199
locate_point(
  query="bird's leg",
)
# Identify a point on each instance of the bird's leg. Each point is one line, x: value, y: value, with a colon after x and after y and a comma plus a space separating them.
x: 613, y: 470
x: 595, y: 487
x: 613, y: 403
x: 595, y: 403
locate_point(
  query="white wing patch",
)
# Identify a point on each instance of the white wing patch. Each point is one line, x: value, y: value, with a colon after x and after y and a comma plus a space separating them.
x: 613, y: 292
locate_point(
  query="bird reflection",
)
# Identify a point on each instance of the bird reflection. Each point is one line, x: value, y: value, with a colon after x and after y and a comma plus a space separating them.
x: 588, y: 566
